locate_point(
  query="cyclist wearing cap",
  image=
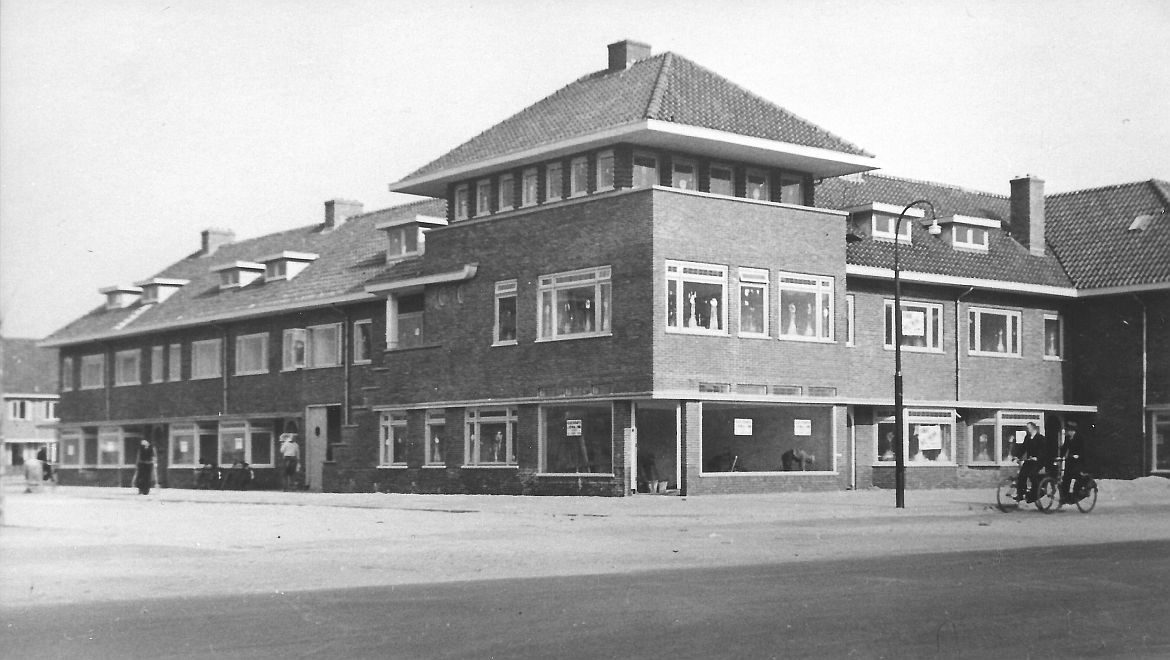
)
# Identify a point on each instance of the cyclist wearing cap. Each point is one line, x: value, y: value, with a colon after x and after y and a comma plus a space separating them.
x: 1072, y: 450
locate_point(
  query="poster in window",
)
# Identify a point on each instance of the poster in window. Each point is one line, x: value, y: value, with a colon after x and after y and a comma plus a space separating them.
x: 239, y: 443
x: 69, y: 450
x: 1021, y: 436
x: 573, y: 428
x: 929, y: 437
x: 183, y: 446
x: 743, y: 426
x: 802, y: 427
x: 913, y: 323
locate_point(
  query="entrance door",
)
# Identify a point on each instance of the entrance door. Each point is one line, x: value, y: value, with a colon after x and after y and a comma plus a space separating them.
x: 659, y: 468
x: 316, y: 445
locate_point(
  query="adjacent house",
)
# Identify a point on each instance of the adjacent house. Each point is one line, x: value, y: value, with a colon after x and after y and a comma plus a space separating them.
x: 28, y: 384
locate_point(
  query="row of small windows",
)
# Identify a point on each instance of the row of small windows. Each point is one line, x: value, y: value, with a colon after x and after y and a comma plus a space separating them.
x: 29, y: 410
x: 189, y: 444
x: 593, y: 173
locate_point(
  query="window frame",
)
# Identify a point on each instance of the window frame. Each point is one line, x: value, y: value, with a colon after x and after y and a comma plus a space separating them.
x: 1159, y: 419
x: 288, y: 358
x: 71, y: 438
x: 249, y: 429
x: 474, y: 420
x: 196, y: 373
x: 905, y: 236
x: 820, y: 285
x: 435, y: 417
x: 483, y: 198
x: 88, y: 360
x: 608, y: 182
x: 748, y: 185
x: 554, y: 193
x: 105, y: 435
x: 975, y: 326
x: 368, y: 342
x: 389, y: 423
x: 50, y: 411
x: 758, y: 278
x: 1059, y: 320
x: 730, y: 178
x: 177, y: 431
x: 19, y: 410
x: 461, y: 201
x: 311, y: 357
x: 911, y: 417
x: 67, y: 381
x: 174, y: 362
x: 850, y: 320
x: 676, y: 271
x: 1000, y: 420
x: 158, y: 370
x: 636, y: 171
x: 121, y: 377
x: 529, y: 195
x: 542, y: 422
x: 934, y: 323
x: 506, y: 188
x: 505, y: 289
x: 276, y: 269
x: 601, y: 278
x: 787, y: 182
x: 676, y: 177
x: 967, y: 244
x: 579, y: 176
x: 241, y: 342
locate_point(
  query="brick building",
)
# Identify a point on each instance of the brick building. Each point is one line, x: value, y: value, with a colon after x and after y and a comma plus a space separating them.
x: 28, y: 385
x: 649, y: 280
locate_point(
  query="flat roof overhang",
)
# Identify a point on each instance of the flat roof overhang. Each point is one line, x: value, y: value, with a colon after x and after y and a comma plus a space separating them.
x: 654, y: 134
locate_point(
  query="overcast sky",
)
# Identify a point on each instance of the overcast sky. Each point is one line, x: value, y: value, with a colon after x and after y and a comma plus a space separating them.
x: 128, y: 126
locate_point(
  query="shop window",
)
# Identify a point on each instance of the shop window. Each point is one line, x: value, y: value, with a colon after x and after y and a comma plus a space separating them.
x: 483, y: 197
x: 110, y: 447
x: 928, y: 437
x: 175, y: 362
x: 722, y: 180
x: 1053, y: 337
x: 605, y: 170
x: 491, y: 437
x: 578, y: 176
x: 67, y: 383
x: 645, y: 170
x: 71, y: 449
x: 206, y: 359
x: 184, y: 444
x: 921, y: 326
x: 252, y: 354
x: 577, y: 439
x: 1161, y: 441
x: 792, y: 189
x: 767, y: 438
x: 758, y: 186
x: 324, y: 344
x: 505, y: 327
x: 89, y: 445
x: 127, y: 369
x: 993, y: 332
x: 462, y: 202
x: 157, y: 367
x: 436, y: 451
x: 575, y: 304
x: 529, y: 188
x: 553, y: 182
x: 363, y: 341
x: 93, y: 371
x: 1012, y: 428
x: 850, y: 327
x: 753, y: 302
x: 506, y: 193
x: 393, y: 431
x: 695, y: 297
x: 683, y: 174
x: 806, y: 307
x: 246, y: 442
x: 983, y: 442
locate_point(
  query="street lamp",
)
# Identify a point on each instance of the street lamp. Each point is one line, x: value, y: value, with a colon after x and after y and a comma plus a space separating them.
x: 899, y: 412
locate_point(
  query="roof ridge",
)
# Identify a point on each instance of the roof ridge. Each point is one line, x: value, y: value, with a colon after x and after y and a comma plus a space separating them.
x: 1114, y: 186
x: 660, y: 84
x: 938, y: 184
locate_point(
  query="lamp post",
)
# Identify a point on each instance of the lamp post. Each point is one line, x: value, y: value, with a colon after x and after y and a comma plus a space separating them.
x: 899, y: 412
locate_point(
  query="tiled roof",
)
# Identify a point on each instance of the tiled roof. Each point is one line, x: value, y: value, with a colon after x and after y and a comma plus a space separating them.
x: 1088, y: 230
x: 348, y: 256
x: 27, y: 369
x: 1005, y: 260
x: 665, y: 87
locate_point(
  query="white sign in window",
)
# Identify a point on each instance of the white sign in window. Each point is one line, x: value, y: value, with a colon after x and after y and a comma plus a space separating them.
x: 573, y: 427
x: 802, y: 427
x: 743, y: 426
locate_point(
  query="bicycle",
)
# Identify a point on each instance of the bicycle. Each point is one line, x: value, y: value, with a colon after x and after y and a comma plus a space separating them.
x: 1005, y: 493
x: 1082, y: 491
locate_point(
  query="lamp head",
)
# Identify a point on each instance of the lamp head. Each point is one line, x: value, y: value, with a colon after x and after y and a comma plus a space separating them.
x: 934, y: 229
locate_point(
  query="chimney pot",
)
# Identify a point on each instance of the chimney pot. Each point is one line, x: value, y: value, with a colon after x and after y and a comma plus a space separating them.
x: 337, y: 211
x: 1027, y: 212
x: 625, y: 52
x: 214, y: 238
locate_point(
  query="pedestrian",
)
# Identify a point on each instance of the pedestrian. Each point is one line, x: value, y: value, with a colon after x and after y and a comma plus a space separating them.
x: 290, y: 452
x: 1034, y: 454
x: 144, y: 475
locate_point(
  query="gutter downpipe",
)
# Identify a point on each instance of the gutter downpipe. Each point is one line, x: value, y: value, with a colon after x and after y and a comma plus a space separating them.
x: 1145, y: 376
x: 958, y: 351
x: 223, y: 367
x: 346, y: 332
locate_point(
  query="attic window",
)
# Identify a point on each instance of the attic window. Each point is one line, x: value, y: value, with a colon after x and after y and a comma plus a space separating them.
x: 286, y: 265
x: 969, y: 238
x: 158, y: 289
x: 406, y: 237
x: 884, y: 226
x: 118, y: 297
x: 238, y: 273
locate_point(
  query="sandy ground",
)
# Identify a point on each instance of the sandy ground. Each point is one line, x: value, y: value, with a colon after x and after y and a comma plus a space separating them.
x: 76, y: 545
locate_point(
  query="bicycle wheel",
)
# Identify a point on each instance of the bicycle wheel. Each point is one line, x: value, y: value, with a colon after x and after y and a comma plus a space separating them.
x: 1005, y: 495
x: 1087, y: 496
x: 1046, y: 495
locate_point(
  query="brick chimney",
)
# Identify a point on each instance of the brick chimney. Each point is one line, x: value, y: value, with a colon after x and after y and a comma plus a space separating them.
x: 213, y: 238
x: 624, y: 53
x: 337, y: 211
x: 1027, y: 213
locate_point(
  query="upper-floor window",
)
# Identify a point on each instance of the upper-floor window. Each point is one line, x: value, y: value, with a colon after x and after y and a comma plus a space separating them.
x: 483, y: 197
x: 791, y: 189
x: 993, y: 332
x: 850, y: 327
x: 921, y: 326
x: 175, y: 362
x: 753, y: 302
x: 722, y: 179
x: 158, y: 371
x: 127, y: 369
x: 491, y: 436
x: 575, y: 304
x: 67, y: 383
x: 645, y: 170
x: 206, y: 359
x: 1053, y: 337
x: 293, y: 349
x: 529, y: 188
x: 50, y: 411
x: 578, y: 176
x: 252, y: 354
x: 969, y: 238
x: 683, y: 174
x: 393, y: 431
x: 505, y: 327
x: 605, y: 179
x: 324, y: 345
x: 93, y: 371
x: 884, y: 225
x: 806, y: 307
x: 405, y: 321
x: 462, y: 202
x: 19, y: 409
x: 696, y: 296
x: 757, y: 185
x: 507, y: 192
x: 554, y: 187
x: 363, y: 341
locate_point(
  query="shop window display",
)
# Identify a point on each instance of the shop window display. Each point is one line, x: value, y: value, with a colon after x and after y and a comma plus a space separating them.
x: 928, y: 437
x: 806, y: 307
x: 578, y: 438
x: 575, y: 304
x: 695, y: 295
x: 767, y: 438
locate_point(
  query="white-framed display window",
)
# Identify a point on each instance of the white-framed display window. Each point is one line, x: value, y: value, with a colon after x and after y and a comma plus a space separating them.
x: 128, y: 367
x: 1011, y: 429
x: 506, y: 194
x: 158, y: 372
x: 776, y: 439
x: 850, y: 321
x: 252, y: 354
x: 504, y: 330
x: 529, y: 187
x: 1160, y: 441
x: 753, y: 302
x: 577, y: 438
x: 806, y: 307
x: 293, y: 349
x: 696, y: 298
x: 175, y: 362
x: 70, y: 454
x: 791, y: 189
x: 554, y: 182
x: 462, y: 202
x: 206, y: 359
x: 1053, y: 337
x: 928, y: 434
x: 483, y: 197
x: 982, y: 441
x: 93, y: 371
x: 184, y: 445
x: 993, y: 332
x: 324, y: 345
x: 684, y: 174
x: 721, y: 179
x: 884, y: 225
x: 575, y: 304
x: 491, y: 437
x: 578, y: 176
x: 757, y: 185
x: 969, y: 238
x: 111, y: 447
x: 435, y: 454
x: 245, y: 441
x: 645, y: 169
x: 67, y: 382
x: 393, y: 443
x: 605, y: 179
x: 921, y: 326
x: 363, y: 341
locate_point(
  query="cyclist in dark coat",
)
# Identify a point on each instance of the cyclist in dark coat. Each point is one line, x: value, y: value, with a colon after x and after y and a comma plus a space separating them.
x: 1035, y: 457
x: 1073, y: 452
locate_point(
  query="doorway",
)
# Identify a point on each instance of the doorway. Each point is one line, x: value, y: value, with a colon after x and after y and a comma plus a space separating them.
x: 322, y: 430
x: 657, y: 447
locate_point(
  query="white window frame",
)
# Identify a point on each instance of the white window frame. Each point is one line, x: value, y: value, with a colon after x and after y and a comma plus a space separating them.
x: 916, y: 416
x: 391, y: 422
x: 529, y: 187
x: 229, y: 278
x: 786, y: 182
x: 655, y: 178
x: 850, y: 320
x: 882, y: 227
x: 975, y: 321
x: 507, y: 184
x: 755, y: 278
x: 369, y: 325
x: 606, y: 182
x: 474, y: 419
x: 579, y: 176
x: 1158, y: 419
x: 1059, y: 337
x: 158, y: 372
x: 435, y: 417
x: 248, y: 428
x: 180, y: 430
x: 288, y: 357
x: 730, y: 178
x: 174, y: 362
x: 818, y: 285
x: 196, y: 372
x: 461, y: 199
x: 681, y: 272
x: 1007, y: 418
x: 67, y: 382
x: 933, y: 318
x: 98, y: 359
x: 554, y: 193
x: 315, y: 361
x: 125, y: 374
x: 483, y: 198
x: 242, y: 342
x: 276, y: 269
x: 968, y: 233
x: 504, y: 289
x: 50, y: 409
x: 760, y: 173
x: 107, y: 434
x: 601, y: 279
x: 676, y: 177
x: 18, y: 409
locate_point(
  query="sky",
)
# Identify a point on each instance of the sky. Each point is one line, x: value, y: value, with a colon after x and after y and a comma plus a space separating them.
x: 129, y: 126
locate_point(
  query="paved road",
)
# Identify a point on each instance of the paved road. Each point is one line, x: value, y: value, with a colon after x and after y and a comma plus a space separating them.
x: 1092, y: 600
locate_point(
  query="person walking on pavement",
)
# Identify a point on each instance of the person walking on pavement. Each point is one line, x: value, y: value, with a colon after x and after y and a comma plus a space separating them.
x: 290, y: 452
x: 144, y: 475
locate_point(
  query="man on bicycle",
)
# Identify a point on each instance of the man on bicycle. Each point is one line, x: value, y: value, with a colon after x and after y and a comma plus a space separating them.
x: 1034, y: 456
x: 1073, y: 453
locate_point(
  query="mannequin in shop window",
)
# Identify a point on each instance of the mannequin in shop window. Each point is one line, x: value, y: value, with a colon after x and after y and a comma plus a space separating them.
x: 713, y: 319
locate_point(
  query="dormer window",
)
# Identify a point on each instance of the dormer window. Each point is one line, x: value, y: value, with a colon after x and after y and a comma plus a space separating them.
x: 878, y: 220
x: 286, y: 265
x: 970, y: 238
x: 239, y: 273
x: 406, y: 237
x: 120, y: 296
x: 968, y: 233
x: 884, y: 227
x: 158, y: 289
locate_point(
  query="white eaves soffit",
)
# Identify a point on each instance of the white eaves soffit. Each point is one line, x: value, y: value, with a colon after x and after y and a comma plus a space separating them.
x: 655, y: 134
